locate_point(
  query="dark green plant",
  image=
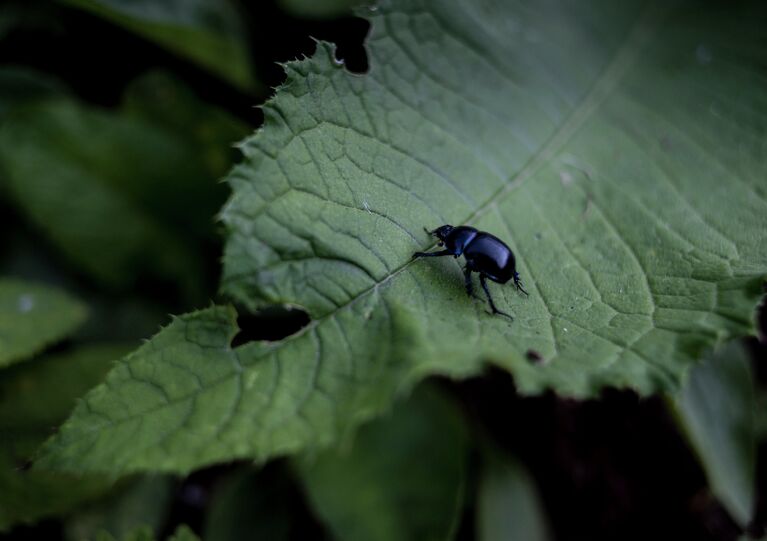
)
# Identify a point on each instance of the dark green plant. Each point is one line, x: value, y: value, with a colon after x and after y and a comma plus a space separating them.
x: 618, y: 149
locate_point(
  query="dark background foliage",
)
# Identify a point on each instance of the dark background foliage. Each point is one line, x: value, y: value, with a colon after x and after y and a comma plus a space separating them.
x: 614, y: 468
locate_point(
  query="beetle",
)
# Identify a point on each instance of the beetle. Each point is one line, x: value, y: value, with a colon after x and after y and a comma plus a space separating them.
x: 485, y: 254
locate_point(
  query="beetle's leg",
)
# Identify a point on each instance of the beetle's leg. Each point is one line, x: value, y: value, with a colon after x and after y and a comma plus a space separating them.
x: 467, y: 281
x: 518, y: 283
x: 490, y: 299
x: 431, y: 254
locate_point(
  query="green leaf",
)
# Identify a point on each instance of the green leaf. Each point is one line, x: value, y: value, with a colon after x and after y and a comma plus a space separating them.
x: 402, y: 477
x: 717, y: 408
x: 508, y: 507
x: 77, y: 173
x: 249, y: 505
x: 603, y: 143
x: 615, y: 147
x: 105, y: 187
x: 24, y: 15
x: 761, y: 416
x: 34, y: 398
x: 208, y: 32
x: 20, y: 84
x: 183, y: 533
x: 144, y: 503
x: 130, y: 422
x: 320, y: 8
x: 159, y: 99
x: 33, y: 316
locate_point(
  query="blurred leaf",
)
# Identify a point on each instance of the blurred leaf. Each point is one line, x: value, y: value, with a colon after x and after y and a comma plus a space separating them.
x: 26, y: 497
x: 247, y: 507
x: 142, y: 533
x: 208, y: 32
x: 161, y: 100
x: 123, y: 197
x: 144, y: 504
x: 15, y: 14
x: 183, y: 533
x: 34, y: 398
x: 403, y: 477
x: 320, y: 8
x: 717, y: 409
x: 33, y: 316
x: 80, y: 175
x: 508, y: 507
x: 582, y: 136
x: 761, y: 416
x: 19, y: 84
x: 124, y: 318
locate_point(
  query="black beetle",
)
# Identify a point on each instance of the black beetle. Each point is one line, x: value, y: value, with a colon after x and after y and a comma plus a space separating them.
x: 486, y: 254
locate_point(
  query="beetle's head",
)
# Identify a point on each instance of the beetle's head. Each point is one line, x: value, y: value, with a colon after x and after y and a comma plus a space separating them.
x: 442, y: 232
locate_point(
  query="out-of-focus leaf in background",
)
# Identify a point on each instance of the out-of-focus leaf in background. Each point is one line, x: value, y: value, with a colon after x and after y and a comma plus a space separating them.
x: 163, y: 101
x: 34, y: 398
x: 143, y: 503
x: 15, y: 14
x: 248, y: 506
x: 718, y: 410
x: 581, y: 136
x: 402, y: 477
x: 321, y: 8
x: 33, y: 316
x: 208, y: 32
x: 19, y: 84
x: 183, y: 533
x: 508, y: 505
x: 128, y: 194
x: 144, y: 533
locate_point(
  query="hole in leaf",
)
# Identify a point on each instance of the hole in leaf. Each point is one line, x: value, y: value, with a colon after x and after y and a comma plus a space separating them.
x: 351, y: 49
x: 278, y: 35
x: 272, y: 323
x: 534, y: 356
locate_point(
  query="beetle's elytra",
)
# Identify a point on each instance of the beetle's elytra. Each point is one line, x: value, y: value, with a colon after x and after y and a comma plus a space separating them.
x: 484, y: 253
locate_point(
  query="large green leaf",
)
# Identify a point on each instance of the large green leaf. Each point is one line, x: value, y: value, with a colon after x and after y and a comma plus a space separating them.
x: 615, y: 146
x: 403, y: 476
x: 33, y: 316
x: 208, y: 32
x: 718, y: 410
x: 34, y: 397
